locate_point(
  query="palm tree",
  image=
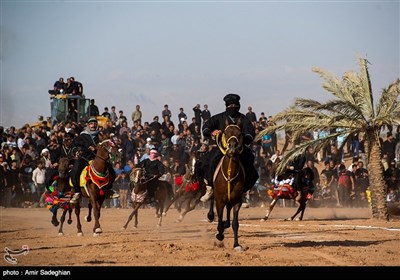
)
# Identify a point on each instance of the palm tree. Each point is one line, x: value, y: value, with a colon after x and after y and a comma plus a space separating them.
x: 350, y: 111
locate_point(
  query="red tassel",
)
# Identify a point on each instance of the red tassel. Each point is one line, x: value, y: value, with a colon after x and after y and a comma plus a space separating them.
x: 178, y: 180
x: 195, y: 186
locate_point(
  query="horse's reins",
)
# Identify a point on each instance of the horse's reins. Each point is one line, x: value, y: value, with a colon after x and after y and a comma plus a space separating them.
x: 223, y: 146
x: 137, y: 180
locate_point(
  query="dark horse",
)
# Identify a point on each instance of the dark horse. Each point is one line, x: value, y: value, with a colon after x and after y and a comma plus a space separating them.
x: 58, y: 195
x: 97, y: 182
x: 229, y: 180
x: 282, y: 188
x: 162, y: 193
x: 191, y: 188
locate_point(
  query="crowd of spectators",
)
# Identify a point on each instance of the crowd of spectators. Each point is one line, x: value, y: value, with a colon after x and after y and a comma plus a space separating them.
x: 30, y: 153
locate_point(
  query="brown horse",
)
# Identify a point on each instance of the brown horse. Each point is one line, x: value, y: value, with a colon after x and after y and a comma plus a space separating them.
x: 282, y: 189
x: 190, y: 189
x: 58, y: 195
x: 229, y: 180
x: 97, y: 181
x: 162, y: 193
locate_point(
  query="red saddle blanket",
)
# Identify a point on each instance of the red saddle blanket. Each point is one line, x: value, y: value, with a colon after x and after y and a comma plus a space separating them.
x: 281, y: 191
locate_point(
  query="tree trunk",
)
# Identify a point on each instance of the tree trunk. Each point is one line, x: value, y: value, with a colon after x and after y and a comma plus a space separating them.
x: 377, y: 182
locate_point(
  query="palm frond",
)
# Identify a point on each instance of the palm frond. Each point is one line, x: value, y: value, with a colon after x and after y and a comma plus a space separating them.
x: 331, y: 83
x: 366, y: 92
x: 388, y: 103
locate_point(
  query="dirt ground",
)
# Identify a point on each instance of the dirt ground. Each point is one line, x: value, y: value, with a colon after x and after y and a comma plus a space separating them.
x: 325, y: 237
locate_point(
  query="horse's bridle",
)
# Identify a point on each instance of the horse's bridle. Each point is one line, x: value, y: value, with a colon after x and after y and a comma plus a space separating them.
x: 108, y: 150
x: 136, y: 177
x: 222, y: 142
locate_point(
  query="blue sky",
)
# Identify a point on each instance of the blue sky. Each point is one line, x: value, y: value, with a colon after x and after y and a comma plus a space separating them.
x: 182, y: 53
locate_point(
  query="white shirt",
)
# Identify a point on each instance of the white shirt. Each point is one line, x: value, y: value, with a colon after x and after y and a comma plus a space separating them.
x: 174, y: 139
x: 38, y: 176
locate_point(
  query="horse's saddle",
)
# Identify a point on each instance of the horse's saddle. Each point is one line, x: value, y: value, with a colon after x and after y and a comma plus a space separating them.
x: 139, y: 197
x: 88, y: 173
x: 282, y: 189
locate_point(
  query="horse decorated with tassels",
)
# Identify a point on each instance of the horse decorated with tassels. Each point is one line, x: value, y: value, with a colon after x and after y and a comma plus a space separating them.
x: 282, y: 187
x: 58, y: 195
x: 95, y: 180
x: 191, y: 188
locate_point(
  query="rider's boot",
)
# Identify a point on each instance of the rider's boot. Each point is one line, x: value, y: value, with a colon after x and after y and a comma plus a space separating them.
x: 208, y: 194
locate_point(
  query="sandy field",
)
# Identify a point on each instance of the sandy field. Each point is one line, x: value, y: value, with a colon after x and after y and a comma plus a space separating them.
x: 326, y: 237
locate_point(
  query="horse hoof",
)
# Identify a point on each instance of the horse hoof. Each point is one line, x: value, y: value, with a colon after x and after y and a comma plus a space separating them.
x: 69, y: 222
x: 80, y: 234
x: 55, y: 223
x: 238, y: 249
x: 95, y: 234
x: 164, y: 214
x: 219, y: 244
x: 60, y: 234
x: 263, y: 220
x: 123, y: 228
x: 288, y: 219
x: 98, y: 230
x: 88, y: 219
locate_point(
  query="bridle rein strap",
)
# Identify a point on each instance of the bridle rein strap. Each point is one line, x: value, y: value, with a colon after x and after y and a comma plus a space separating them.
x: 108, y: 150
x: 222, y: 142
